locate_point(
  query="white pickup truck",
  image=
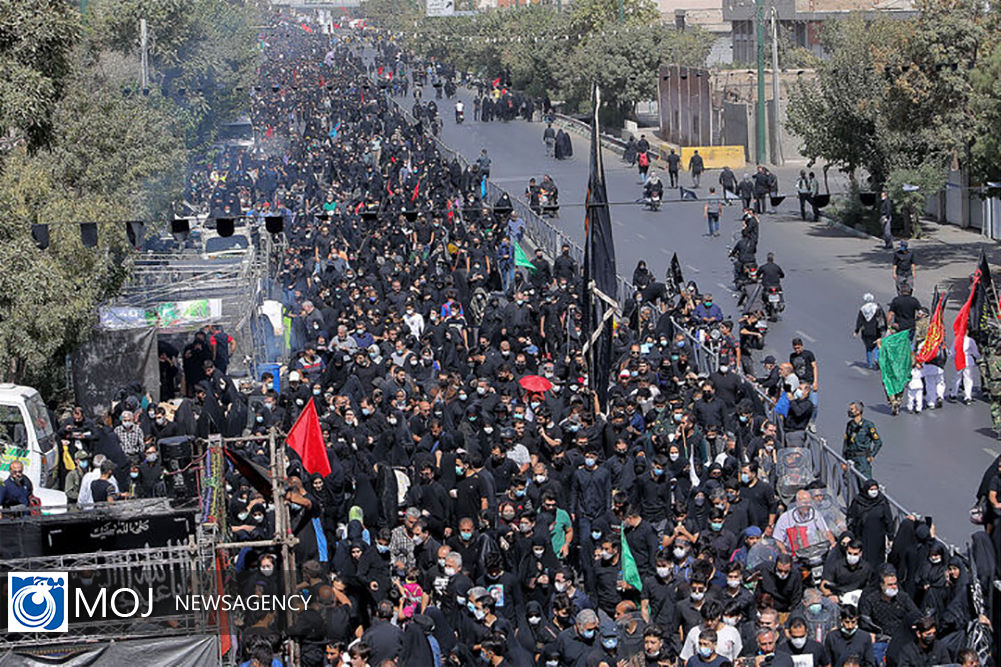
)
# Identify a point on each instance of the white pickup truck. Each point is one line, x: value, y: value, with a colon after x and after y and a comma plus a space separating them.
x: 26, y: 435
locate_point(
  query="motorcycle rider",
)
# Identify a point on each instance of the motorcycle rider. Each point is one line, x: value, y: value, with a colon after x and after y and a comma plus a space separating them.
x: 771, y: 275
x: 459, y: 112
x: 653, y: 190
x: 743, y: 253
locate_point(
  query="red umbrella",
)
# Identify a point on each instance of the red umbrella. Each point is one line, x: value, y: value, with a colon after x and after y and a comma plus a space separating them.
x: 535, y: 383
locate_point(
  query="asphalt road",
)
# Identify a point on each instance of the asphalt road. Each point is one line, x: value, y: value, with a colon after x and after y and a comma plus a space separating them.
x: 931, y: 463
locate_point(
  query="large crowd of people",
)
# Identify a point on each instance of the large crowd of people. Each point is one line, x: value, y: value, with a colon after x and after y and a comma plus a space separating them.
x: 482, y: 506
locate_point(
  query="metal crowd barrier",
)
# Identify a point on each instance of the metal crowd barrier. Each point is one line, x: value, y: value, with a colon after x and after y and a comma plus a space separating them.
x: 840, y: 476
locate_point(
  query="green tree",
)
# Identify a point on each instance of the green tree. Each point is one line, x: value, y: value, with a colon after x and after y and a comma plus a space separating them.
x: 48, y: 297
x: 36, y: 40
x: 837, y: 116
x: 123, y: 148
x: 985, y: 105
x: 625, y: 63
x: 894, y: 95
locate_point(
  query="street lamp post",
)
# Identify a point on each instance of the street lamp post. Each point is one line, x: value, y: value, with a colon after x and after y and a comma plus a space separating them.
x: 622, y: 11
x: 760, y: 30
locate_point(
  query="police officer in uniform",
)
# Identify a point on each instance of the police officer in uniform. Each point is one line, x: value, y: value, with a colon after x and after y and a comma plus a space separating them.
x: 862, y: 442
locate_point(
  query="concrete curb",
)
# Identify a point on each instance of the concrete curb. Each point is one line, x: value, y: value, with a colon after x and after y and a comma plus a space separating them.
x: 831, y: 222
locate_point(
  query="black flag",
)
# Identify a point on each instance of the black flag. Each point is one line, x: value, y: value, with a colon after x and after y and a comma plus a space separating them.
x: 258, y: 478
x: 599, y: 265
x: 687, y: 195
x: 134, y: 232
x: 88, y: 234
x: 982, y: 308
x: 675, y: 276
x: 40, y: 234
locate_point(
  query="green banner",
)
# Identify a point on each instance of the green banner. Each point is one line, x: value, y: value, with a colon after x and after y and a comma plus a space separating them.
x: 521, y: 259
x: 630, y: 573
x: 895, y: 361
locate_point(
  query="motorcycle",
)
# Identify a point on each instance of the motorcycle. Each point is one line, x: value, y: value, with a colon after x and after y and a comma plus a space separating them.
x: 744, y: 274
x: 651, y: 203
x: 774, y: 303
x: 459, y: 117
x: 811, y: 563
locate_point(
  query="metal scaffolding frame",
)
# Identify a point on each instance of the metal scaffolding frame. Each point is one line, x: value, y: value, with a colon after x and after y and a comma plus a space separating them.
x: 188, y: 565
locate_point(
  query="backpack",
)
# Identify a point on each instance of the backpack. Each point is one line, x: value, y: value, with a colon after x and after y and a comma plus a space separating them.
x: 644, y: 160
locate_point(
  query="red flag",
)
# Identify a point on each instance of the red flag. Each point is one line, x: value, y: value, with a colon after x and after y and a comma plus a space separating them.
x: 269, y: 132
x: 379, y: 70
x: 496, y: 82
x: 226, y: 640
x: 929, y: 347
x: 416, y: 189
x: 306, y: 439
x: 307, y: 28
x: 959, y: 326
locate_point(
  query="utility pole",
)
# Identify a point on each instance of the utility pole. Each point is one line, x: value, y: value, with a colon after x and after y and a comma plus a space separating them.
x: 144, y: 46
x: 776, y: 136
x: 760, y: 25
x: 622, y: 11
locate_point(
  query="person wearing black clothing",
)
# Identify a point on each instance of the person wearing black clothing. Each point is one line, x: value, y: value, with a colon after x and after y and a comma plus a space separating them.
x: 847, y: 641
x: 799, y: 644
x: 673, y: 162
x: 564, y: 266
x: 903, y: 310
x: 642, y: 540
x: 903, y: 267
x: 652, y: 493
x: 310, y: 631
x: 778, y: 581
x: 886, y: 219
x: 471, y: 491
x: 770, y: 273
x: 761, y: 189
x: 800, y: 414
x: 925, y: 650
x: 846, y: 572
x: 762, y: 501
x: 384, y: 638
x: 883, y: 607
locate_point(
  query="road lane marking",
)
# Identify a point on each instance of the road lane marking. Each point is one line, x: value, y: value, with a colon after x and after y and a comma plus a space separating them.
x: 690, y: 267
x: 806, y: 336
x: 640, y: 236
x: 990, y: 451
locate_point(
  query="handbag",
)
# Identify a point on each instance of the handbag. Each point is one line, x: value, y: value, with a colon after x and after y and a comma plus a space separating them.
x: 978, y: 511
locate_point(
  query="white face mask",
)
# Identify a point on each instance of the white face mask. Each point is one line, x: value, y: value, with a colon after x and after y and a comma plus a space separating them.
x: 873, y: 493
x: 853, y: 559
x: 449, y: 571
x: 798, y: 642
x: 560, y: 586
x: 663, y: 572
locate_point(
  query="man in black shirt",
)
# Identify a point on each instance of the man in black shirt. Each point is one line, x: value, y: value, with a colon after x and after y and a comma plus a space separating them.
x: 849, y: 572
x: 903, y: 310
x: 804, y: 363
x: 903, y: 267
x: 886, y: 219
x: 771, y: 274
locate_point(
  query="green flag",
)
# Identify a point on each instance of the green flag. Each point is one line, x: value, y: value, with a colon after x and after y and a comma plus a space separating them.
x: 521, y: 259
x: 895, y: 360
x: 630, y: 574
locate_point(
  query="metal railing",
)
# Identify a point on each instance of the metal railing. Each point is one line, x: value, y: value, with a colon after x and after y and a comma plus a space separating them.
x: 839, y: 475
